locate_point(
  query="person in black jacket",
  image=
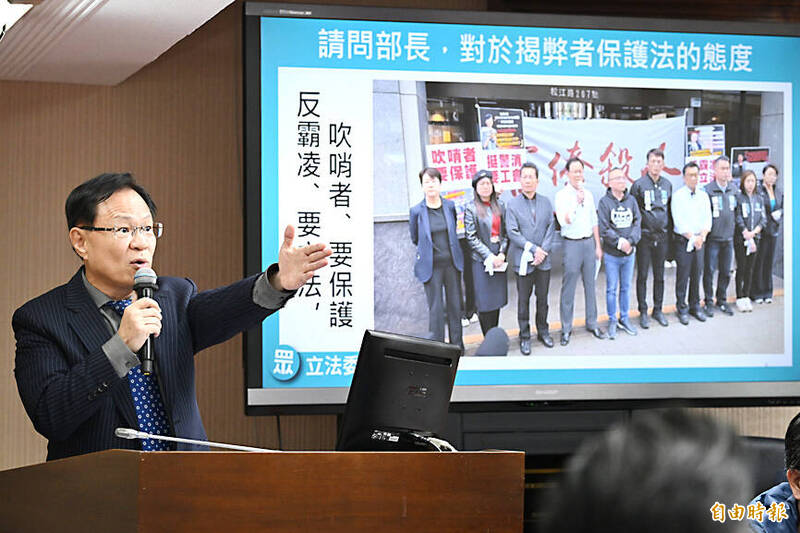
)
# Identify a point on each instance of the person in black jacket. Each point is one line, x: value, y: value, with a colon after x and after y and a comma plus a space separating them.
x: 484, y: 222
x: 439, y: 261
x: 773, y: 210
x: 750, y: 221
x: 620, y: 229
x: 653, y: 193
x: 719, y: 245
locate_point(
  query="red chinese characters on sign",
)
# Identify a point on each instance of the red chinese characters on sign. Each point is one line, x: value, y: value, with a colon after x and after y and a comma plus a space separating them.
x: 552, y: 166
x: 575, y: 151
x: 705, y: 167
x: 610, y: 158
x: 438, y: 157
x: 668, y: 170
x: 504, y: 166
x: 456, y: 163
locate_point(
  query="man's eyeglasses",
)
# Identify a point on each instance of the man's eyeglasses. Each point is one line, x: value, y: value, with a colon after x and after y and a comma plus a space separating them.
x: 128, y: 232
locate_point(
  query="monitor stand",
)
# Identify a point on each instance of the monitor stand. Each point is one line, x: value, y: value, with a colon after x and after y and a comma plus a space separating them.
x: 399, y: 440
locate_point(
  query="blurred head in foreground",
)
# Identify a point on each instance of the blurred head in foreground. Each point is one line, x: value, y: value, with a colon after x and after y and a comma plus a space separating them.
x: 660, y: 472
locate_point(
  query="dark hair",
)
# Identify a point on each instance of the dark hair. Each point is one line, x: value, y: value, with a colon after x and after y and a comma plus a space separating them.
x: 528, y: 164
x: 613, y: 169
x: 656, y: 152
x: 744, y: 177
x: 769, y: 165
x: 479, y: 205
x: 791, y: 444
x: 82, y: 202
x: 661, y: 472
x: 572, y: 160
x: 721, y: 158
x: 690, y: 164
x: 432, y: 172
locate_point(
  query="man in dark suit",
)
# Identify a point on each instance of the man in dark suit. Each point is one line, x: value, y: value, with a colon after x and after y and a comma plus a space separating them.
x: 439, y: 261
x: 531, y: 228
x: 77, y: 370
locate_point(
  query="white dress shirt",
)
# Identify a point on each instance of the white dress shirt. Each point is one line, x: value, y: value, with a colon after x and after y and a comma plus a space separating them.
x: 583, y: 217
x: 691, y: 211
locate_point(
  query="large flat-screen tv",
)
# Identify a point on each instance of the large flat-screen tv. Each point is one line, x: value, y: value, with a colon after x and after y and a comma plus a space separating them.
x: 345, y: 105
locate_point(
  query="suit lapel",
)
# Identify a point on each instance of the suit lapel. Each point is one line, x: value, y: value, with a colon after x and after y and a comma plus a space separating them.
x: 448, y: 217
x: 90, y: 327
x: 487, y: 222
x: 522, y: 209
x: 161, y: 346
x: 426, y: 224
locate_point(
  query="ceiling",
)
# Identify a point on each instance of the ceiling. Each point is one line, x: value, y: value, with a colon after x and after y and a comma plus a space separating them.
x: 98, y: 42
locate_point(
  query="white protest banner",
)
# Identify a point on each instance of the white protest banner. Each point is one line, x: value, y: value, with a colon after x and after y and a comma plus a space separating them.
x: 601, y: 145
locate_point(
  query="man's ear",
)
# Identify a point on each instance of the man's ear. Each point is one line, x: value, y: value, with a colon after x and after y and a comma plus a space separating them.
x: 78, y: 241
x: 793, y: 476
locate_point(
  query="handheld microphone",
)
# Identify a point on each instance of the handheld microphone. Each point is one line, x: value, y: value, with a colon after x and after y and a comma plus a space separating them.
x: 144, y: 284
x: 131, y: 434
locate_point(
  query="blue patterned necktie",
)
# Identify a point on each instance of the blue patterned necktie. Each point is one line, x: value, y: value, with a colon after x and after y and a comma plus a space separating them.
x: 150, y: 411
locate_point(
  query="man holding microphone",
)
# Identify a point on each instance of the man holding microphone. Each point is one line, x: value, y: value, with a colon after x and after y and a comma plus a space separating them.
x: 77, y: 369
x: 575, y: 210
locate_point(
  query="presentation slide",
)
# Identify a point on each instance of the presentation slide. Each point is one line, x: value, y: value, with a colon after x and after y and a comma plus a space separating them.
x: 354, y: 109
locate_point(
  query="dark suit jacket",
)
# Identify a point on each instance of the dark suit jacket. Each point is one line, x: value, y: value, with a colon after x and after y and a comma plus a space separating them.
x: 73, y: 394
x: 522, y: 228
x: 773, y: 228
x: 479, y: 231
x: 420, y: 228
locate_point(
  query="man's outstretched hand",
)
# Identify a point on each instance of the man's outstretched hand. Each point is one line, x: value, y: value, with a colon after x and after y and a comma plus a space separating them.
x: 296, y: 265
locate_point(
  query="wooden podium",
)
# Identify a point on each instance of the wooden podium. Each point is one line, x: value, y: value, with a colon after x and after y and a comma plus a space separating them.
x: 143, y: 492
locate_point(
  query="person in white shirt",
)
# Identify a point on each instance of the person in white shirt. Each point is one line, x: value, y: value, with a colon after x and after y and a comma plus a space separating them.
x: 691, y: 216
x: 575, y: 211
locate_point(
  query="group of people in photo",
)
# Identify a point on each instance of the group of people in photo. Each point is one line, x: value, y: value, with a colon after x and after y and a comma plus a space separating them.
x: 641, y: 227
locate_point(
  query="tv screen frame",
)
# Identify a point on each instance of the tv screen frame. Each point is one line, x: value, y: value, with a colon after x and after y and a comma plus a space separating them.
x: 259, y: 400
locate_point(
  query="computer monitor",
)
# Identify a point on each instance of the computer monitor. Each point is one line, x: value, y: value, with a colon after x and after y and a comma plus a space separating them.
x: 339, y: 123
x: 400, y: 394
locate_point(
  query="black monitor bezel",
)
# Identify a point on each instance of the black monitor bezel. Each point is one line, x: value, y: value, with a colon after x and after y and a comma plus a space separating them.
x: 252, y: 11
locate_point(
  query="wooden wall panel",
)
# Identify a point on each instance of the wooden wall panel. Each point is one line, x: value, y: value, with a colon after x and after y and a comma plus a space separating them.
x: 751, y: 11
x: 177, y: 125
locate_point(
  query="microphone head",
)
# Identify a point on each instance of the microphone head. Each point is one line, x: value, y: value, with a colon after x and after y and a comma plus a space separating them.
x: 126, y: 433
x: 144, y: 277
